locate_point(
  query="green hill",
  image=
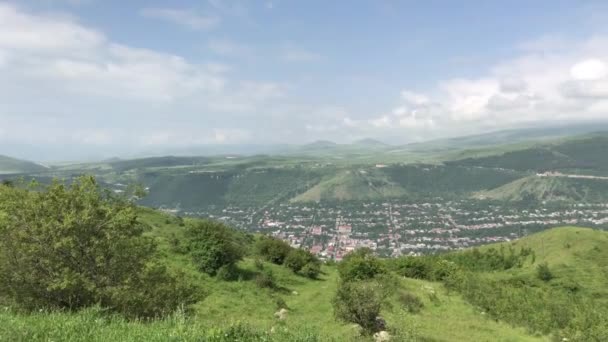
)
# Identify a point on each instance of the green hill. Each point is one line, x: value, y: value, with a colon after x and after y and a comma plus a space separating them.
x: 549, y: 189
x: 242, y: 310
x: 10, y: 165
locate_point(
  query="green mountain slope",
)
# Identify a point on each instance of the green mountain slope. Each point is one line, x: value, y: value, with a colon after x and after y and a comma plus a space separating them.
x: 10, y: 165
x: 549, y: 189
x: 240, y: 310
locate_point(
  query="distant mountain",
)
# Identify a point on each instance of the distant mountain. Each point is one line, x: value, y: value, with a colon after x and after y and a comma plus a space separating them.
x: 320, y: 144
x: 585, y: 153
x: 10, y: 165
x: 368, y: 142
x: 512, y: 136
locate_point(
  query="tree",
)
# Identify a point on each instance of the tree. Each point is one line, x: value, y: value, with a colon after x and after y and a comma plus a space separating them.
x: 75, y: 246
x: 359, y: 302
x: 360, y: 265
x: 273, y: 250
x: 298, y: 258
x: 213, y: 245
x: 311, y: 270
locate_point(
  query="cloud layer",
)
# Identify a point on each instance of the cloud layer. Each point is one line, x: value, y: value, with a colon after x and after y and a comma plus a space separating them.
x: 64, y: 83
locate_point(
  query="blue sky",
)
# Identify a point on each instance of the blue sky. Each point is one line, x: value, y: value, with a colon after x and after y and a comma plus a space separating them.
x: 104, y: 78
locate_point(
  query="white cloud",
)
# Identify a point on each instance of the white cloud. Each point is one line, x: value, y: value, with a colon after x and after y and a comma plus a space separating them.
x: 63, y: 82
x: 589, y: 70
x: 187, y: 18
x: 414, y: 98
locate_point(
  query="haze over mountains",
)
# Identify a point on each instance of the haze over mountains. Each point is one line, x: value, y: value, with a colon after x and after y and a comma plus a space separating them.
x: 63, y: 154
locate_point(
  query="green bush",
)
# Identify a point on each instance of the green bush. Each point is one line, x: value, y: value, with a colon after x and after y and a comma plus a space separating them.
x: 273, y: 250
x: 359, y: 302
x: 311, y: 270
x: 297, y: 258
x: 410, y: 302
x: 360, y: 265
x: 213, y: 245
x: 414, y: 267
x: 76, y: 246
x: 265, y: 279
x: 543, y: 272
x: 227, y: 273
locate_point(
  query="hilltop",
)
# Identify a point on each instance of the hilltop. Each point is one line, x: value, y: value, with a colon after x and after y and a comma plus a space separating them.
x: 10, y: 165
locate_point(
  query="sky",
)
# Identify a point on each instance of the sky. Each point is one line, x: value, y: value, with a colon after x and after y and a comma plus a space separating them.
x: 92, y: 78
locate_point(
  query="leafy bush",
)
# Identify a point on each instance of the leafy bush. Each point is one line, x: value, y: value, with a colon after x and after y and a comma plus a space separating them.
x: 227, y: 273
x: 413, y: 267
x: 303, y: 262
x: 311, y: 270
x: 265, y: 279
x: 360, y: 265
x: 297, y: 258
x: 359, y: 302
x: 543, y: 272
x: 76, y: 246
x: 213, y: 245
x: 273, y: 250
x: 411, y: 302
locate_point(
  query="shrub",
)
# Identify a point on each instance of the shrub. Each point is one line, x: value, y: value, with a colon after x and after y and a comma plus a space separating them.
x: 297, y: 258
x: 410, y: 302
x: 213, y: 245
x: 543, y: 272
x: 265, y: 279
x: 227, y: 272
x: 414, y: 267
x: 76, y: 246
x: 360, y: 303
x: 280, y: 303
x: 259, y: 265
x: 311, y: 270
x: 360, y: 265
x: 273, y: 250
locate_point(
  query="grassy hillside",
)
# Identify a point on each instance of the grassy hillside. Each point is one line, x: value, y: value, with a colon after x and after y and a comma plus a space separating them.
x: 10, y: 165
x: 549, y: 189
x: 240, y: 310
x: 577, y: 256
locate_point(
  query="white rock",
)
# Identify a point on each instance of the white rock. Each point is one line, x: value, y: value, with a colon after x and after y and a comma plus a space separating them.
x: 382, y: 336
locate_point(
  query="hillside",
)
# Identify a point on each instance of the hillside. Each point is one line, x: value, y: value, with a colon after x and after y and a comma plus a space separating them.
x: 549, y: 188
x: 250, y: 309
x: 491, y: 293
x: 10, y: 165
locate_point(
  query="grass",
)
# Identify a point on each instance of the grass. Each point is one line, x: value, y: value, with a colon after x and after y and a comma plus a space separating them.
x: 239, y: 310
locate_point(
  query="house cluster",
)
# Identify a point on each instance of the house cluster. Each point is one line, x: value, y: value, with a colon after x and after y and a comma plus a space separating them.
x: 393, y: 228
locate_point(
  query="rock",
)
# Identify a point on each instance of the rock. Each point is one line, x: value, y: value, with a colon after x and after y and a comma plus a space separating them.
x: 382, y: 336
x: 358, y: 329
x: 281, y: 315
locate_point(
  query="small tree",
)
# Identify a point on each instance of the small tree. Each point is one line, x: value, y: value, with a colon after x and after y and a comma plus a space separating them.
x: 298, y: 259
x: 76, y: 246
x: 311, y: 270
x: 360, y: 303
x: 360, y: 265
x: 273, y: 250
x: 543, y: 272
x: 213, y: 245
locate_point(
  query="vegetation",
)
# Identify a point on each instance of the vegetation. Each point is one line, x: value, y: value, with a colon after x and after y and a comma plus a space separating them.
x: 71, y: 247
x: 214, y: 247
x: 102, y: 261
